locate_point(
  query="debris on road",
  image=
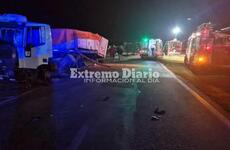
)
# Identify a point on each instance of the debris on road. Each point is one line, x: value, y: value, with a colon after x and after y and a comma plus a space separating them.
x: 33, y: 120
x: 159, y: 112
x: 155, y: 118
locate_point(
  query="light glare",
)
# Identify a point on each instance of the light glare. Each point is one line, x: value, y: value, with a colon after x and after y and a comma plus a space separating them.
x: 176, y: 30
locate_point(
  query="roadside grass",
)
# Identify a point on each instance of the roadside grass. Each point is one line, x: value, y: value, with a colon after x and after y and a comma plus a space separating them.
x: 216, y: 87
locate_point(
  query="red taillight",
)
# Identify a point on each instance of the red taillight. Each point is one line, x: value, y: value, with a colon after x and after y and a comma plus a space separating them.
x: 205, y: 32
x: 141, y: 51
x: 208, y: 48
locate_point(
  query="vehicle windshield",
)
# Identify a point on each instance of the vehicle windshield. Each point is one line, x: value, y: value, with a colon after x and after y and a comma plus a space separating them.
x: 11, y: 36
x: 6, y: 51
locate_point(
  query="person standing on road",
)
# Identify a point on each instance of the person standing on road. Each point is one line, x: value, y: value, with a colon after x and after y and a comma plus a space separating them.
x: 112, y: 51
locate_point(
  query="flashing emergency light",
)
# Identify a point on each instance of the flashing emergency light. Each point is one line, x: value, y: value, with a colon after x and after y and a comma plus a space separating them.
x: 198, y: 34
x: 201, y: 59
x: 142, y: 51
x: 208, y: 48
x: 205, y: 31
x: 145, y: 39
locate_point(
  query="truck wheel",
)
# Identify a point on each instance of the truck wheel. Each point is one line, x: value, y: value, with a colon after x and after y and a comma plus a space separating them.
x: 19, y: 76
x: 101, y: 61
x: 65, y: 64
x: 45, y: 76
x: 80, y: 63
x: 30, y: 79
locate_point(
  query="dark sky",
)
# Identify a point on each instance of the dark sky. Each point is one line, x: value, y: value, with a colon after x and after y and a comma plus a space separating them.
x: 123, y: 20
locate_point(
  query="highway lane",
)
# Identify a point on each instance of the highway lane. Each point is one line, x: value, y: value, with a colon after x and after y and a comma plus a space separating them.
x: 72, y: 115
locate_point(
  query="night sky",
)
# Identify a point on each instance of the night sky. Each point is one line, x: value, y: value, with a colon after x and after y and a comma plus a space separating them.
x: 123, y: 20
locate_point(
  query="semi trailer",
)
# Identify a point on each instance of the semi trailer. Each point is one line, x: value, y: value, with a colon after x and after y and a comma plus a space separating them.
x: 72, y: 47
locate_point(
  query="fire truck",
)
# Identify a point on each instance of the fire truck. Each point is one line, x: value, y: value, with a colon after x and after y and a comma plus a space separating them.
x: 207, y: 48
x: 31, y: 51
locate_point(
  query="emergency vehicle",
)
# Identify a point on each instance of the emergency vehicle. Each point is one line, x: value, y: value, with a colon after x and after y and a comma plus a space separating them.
x: 30, y: 51
x: 173, y: 47
x: 151, y: 48
x: 208, y: 48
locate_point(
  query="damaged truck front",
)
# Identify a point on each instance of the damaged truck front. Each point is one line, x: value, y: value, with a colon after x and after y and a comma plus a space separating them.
x: 25, y: 49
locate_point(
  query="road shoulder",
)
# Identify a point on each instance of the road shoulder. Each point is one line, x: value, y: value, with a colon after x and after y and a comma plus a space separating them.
x: 211, y: 105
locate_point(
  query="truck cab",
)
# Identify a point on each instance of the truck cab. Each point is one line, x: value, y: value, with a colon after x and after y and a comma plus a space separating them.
x: 25, y: 47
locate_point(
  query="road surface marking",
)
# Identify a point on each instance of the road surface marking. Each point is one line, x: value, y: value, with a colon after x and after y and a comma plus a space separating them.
x: 13, y: 99
x: 213, y: 110
x: 77, y: 140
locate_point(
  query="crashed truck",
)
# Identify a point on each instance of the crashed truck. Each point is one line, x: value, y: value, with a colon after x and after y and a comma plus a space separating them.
x: 32, y: 51
x: 71, y: 48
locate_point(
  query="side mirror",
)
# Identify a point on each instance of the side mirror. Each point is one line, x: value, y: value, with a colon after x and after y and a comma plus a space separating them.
x: 28, y: 50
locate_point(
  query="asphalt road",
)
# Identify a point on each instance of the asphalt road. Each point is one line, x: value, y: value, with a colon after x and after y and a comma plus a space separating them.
x: 72, y: 115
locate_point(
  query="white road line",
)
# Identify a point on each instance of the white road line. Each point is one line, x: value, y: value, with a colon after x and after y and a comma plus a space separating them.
x: 213, y: 110
x: 6, y: 101
x: 13, y: 99
x: 77, y: 140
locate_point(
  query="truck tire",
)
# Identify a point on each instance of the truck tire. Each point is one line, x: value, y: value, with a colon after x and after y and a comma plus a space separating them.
x: 19, y: 75
x: 30, y: 78
x: 44, y: 75
x: 65, y: 64
x: 101, y: 61
x: 80, y: 63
